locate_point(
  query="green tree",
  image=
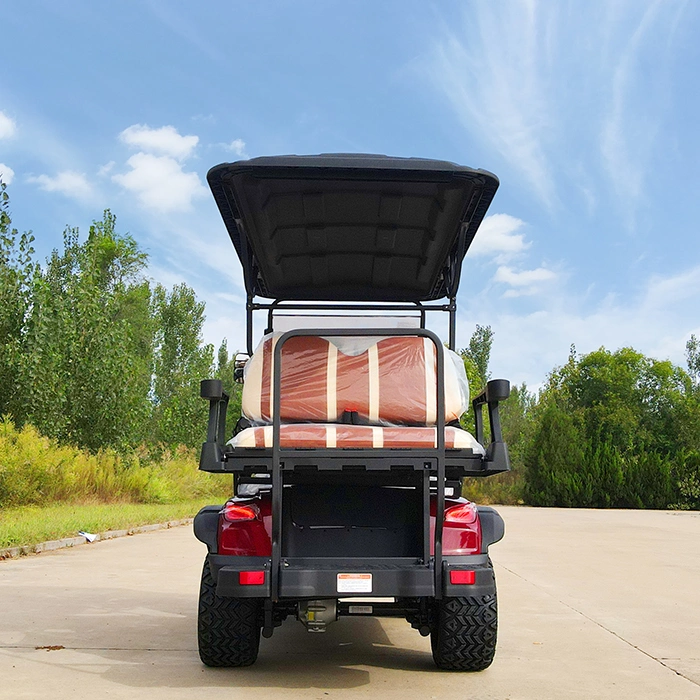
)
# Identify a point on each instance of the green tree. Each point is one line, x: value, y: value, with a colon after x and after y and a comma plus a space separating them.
x: 478, y: 354
x: 476, y: 364
x: 87, y: 364
x: 630, y: 412
x: 224, y: 371
x: 180, y: 363
x: 16, y: 272
x: 554, y: 460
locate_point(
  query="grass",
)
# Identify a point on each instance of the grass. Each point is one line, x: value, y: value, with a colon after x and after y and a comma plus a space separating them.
x: 49, y: 490
x: 35, y: 470
x: 502, y: 489
x: 27, y: 525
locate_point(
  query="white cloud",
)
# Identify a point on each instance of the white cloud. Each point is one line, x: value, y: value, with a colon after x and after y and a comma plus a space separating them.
x: 67, y: 182
x: 160, y: 183
x: 237, y: 146
x: 525, y: 278
x: 8, y: 126
x: 498, y: 237
x: 524, y: 282
x: 204, y: 118
x: 7, y: 174
x: 637, y: 98
x: 166, y: 140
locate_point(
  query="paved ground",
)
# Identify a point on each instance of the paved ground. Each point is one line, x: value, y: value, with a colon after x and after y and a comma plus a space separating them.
x: 593, y: 604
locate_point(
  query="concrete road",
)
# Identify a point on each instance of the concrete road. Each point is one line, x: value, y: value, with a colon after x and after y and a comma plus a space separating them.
x: 593, y: 604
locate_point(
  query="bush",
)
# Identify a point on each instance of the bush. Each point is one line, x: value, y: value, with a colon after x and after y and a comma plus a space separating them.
x: 35, y: 470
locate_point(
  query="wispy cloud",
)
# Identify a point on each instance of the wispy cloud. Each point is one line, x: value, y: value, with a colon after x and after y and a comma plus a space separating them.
x: 184, y: 28
x: 657, y: 321
x: 492, y: 71
x: 8, y: 126
x: 105, y: 169
x: 69, y: 183
x: 634, y: 110
x: 561, y: 92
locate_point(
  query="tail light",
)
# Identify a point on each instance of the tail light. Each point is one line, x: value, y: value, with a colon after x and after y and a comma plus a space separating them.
x: 461, y: 533
x: 236, y: 513
x: 463, y: 514
x: 244, y: 529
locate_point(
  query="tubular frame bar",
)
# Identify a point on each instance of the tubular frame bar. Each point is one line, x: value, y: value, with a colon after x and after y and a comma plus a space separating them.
x: 422, y: 308
x: 452, y: 308
x: 278, y: 453
x: 249, y: 325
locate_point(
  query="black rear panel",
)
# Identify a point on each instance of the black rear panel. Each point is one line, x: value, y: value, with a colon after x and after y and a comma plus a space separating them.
x: 322, y: 520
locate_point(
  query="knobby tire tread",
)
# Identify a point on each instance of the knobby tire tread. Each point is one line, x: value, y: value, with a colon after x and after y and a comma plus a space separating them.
x: 228, y: 629
x: 465, y: 636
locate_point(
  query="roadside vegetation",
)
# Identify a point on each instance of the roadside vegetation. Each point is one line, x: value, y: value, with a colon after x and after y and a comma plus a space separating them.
x: 607, y: 430
x: 99, y: 384
x: 99, y: 398
x: 30, y: 525
x: 49, y: 490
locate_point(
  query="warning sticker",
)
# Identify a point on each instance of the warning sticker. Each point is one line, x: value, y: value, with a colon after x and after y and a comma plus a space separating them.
x: 354, y: 583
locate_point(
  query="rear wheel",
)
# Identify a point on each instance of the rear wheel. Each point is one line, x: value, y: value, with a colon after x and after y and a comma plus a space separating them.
x: 228, y: 629
x: 464, y: 637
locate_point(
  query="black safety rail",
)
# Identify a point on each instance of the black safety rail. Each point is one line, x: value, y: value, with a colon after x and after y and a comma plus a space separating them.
x: 281, y: 305
x: 435, y: 457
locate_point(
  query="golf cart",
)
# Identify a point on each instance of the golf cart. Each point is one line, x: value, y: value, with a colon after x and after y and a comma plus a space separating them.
x: 349, y: 457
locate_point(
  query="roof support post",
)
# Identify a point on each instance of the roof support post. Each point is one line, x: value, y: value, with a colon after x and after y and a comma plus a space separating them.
x: 452, y: 307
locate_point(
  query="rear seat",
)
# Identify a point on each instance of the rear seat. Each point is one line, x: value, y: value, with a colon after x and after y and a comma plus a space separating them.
x: 354, y: 392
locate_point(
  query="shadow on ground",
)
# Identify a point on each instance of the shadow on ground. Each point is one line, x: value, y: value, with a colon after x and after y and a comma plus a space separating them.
x: 141, y: 639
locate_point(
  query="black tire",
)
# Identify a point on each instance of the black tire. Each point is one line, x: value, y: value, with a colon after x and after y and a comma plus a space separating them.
x: 228, y: 629
x: 464, y: 637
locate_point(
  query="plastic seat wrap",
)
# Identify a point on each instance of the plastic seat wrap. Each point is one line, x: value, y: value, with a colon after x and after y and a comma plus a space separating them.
x: 383, y: 381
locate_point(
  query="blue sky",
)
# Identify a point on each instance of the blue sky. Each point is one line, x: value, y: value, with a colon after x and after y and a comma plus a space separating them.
x: 587, y: 111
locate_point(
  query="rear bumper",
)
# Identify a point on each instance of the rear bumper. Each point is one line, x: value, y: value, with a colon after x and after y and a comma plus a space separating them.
x: 319, y: 578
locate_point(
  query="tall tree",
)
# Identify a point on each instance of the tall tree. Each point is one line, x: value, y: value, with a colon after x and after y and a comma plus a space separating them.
x: 16, y: 272
x: 180, y: 363
x: 478, y: 353
x: 87, y: 365
x: 628, y: 410
x: 225, y: 371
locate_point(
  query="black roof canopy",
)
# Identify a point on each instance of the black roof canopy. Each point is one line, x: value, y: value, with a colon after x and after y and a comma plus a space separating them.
x: 351, y: 227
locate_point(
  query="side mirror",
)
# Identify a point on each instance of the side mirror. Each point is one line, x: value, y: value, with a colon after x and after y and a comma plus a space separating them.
x: 239, y: 364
